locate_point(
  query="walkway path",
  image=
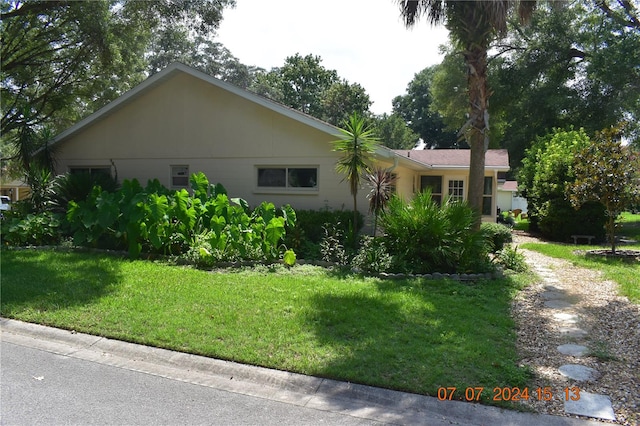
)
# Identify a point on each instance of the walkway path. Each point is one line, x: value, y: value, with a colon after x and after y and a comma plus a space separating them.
x: 581, y: 340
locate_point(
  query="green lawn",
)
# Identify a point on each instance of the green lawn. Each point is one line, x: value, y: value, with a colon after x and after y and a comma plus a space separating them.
x: 412, y: 335
x: 625, y: 274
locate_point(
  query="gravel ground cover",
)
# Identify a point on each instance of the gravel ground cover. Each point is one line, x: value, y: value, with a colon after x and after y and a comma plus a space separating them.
x: 613, y: 338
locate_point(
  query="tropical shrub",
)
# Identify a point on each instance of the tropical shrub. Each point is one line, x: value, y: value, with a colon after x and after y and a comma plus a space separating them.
x: 547, y: 173
x: 381, y: 183
x: 425, y: 237
x: 76, y: 187
x: 157, y: 220
x: 497, y: 235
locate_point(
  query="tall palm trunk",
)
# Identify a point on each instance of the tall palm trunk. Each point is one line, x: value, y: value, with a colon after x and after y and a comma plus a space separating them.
x: 477, y: 127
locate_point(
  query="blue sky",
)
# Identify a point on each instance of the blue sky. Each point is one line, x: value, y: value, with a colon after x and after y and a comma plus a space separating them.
x: 365, y: 41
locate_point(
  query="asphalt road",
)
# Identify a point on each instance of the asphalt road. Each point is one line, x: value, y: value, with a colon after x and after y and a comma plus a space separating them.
x: 43, y: 388
x: 50, y: 376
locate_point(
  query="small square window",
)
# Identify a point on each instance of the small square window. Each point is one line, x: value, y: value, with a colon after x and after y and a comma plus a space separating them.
x: 179, y: 176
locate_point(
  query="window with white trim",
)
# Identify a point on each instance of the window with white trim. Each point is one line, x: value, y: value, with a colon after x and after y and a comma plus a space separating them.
x: 456, y: 190
x: 288, y: 177
x: 487, y: 195
x: 435, y: 184
x: 93, y: 170
x: 180, y: 176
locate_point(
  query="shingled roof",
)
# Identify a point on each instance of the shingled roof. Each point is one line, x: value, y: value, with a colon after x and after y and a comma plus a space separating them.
x: 456, y: 158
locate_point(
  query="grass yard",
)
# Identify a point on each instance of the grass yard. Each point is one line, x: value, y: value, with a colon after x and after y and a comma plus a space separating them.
x: 626, y: 275
x: 412, y: 335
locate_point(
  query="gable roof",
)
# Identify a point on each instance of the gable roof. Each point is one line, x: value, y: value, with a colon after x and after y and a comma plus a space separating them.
x: 414, y: 159
x: 456, y: 158
x: 176, y: 68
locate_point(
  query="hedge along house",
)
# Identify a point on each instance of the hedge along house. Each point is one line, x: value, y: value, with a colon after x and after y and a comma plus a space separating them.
x: 181, y: 121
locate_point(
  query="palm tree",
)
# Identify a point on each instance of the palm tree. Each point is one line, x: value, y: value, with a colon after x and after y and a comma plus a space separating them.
x: 472, y: 25
x: 357, y: 144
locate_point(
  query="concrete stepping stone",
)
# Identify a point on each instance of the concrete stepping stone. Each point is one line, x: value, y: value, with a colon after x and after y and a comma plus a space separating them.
x: 557, y: 304
x: 553, y: 288
x: 591, y: 405
x: 566, y: 318
x: 573, y: 350
x: 579, y: 372
x: 573, y: 332
x: 553, y: 294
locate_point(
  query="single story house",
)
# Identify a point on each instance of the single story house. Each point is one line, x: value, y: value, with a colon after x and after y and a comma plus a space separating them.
x: 181, y: 121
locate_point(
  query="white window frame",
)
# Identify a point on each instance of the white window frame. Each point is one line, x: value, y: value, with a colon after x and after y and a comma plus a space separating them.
x: 456, y: 193
x: 437, y: 196
x: 90, y: 169
x: 287, y: 188
x: 489, y: 196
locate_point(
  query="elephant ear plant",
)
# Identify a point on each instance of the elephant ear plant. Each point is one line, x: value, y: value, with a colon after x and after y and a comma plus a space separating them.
x: 157, y: 220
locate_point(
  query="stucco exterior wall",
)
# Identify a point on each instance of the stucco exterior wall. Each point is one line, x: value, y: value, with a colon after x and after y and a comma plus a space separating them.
x: 186, y: 121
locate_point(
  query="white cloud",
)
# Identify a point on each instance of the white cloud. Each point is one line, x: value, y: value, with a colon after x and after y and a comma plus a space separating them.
x: 366, y: 42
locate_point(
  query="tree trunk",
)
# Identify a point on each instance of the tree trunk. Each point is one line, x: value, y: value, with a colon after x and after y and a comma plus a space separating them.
x: 355, y: 218
x: 611, y: 228
x: 477, y: 128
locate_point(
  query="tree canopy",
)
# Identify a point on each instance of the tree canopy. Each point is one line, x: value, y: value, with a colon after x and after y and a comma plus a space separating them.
x: 305, y: 84
x: 608, y: 173
x: 61, y: 60
x: 417, y: 109
x: 577, y: 66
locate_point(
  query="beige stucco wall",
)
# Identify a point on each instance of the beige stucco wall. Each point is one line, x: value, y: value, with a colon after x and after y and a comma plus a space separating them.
x: 463, y: 175
x: 187, y: 121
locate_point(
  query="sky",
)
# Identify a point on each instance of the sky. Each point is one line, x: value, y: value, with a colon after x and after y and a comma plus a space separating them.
x: 365, y: 41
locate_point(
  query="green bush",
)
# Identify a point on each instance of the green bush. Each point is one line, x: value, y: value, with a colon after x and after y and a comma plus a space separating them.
x: 76, y: 187
x: 497, y: 235
x: 510, y: 258
x: 331, y: 246
x: 32, y: 230
x: 305, y: 237
x: 546, y: 174
x: 558, y: 220
x: 372, y: 256
x: 425, y: 237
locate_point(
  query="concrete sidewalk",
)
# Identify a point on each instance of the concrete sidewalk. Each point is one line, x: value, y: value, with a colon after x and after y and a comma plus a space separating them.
x: 364, y: 402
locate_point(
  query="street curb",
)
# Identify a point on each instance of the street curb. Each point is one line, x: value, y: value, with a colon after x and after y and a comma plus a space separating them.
x: 356, y: 400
